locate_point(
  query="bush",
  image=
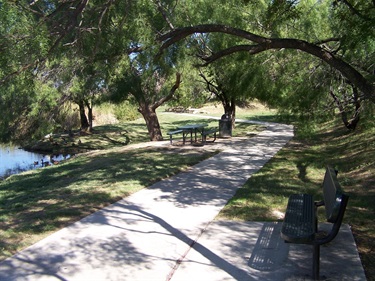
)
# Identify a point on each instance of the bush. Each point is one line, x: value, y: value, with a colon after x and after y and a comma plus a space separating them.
x: 126, y: 111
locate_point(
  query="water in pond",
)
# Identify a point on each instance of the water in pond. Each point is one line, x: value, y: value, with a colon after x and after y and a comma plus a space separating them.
x: 14, y: 160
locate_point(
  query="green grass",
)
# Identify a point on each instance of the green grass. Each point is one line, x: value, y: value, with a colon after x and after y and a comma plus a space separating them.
x: 299, y: 167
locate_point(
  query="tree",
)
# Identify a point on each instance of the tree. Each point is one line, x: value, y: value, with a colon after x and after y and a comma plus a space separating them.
x: 147, y: 106
x: 104, y: 35
x: 20, y: 104
x: 79, y: 82
x: 283, y: 28
x: 216, y: 86
x: 149, y: 84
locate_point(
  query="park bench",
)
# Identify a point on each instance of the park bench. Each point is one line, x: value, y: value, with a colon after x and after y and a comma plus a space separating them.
x: 300, y: 224
x: 208, y: 132
x: 171, y: 133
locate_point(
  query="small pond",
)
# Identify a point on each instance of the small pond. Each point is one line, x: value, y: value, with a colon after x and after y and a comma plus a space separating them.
x: 14, y: 160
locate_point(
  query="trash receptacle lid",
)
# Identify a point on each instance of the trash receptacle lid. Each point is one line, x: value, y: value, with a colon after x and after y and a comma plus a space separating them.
x: 225, y: 117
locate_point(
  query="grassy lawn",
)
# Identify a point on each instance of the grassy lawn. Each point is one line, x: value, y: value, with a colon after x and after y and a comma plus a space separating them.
x: 299, y: 167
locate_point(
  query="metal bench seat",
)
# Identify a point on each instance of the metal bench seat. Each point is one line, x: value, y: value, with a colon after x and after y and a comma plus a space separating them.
x: 171, y: 133
x: 299, y: 225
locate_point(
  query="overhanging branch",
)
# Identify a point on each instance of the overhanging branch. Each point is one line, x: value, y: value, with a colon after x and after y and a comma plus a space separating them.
x: 264, y: 44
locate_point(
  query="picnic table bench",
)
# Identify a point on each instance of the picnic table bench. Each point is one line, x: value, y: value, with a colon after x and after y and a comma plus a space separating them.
x: 171, y: 133
x: 208, y: 132
x: 300, y: 224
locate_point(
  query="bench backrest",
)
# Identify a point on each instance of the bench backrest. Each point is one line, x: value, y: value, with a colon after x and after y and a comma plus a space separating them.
x: 333, y: 198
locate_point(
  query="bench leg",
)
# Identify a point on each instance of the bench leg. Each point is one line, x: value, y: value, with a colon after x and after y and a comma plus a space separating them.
x: 204, y: 138
x: 170, y: 138
x: 316, y: 261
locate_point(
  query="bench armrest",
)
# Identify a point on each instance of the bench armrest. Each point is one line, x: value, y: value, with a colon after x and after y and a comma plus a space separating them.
x: 336, y: 225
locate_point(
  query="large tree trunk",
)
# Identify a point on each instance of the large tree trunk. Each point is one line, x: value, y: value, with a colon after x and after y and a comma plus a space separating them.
x: 152, y: 122
x: 84, y: 122
x: 148, y: 110
x: 90, y: 116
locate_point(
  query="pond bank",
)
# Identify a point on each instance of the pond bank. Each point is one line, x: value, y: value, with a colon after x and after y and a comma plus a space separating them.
x: 54, y: 148
x: 14, y: 160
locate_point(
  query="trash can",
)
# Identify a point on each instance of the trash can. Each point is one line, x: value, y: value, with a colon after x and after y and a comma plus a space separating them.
x: 225, y: 126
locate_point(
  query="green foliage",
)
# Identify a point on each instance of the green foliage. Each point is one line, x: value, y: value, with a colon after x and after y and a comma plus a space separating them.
x: 368, y: 113
x: 191, y: 92
x: 278, y: 14
x: 126, y: 111
x: 353, y: 22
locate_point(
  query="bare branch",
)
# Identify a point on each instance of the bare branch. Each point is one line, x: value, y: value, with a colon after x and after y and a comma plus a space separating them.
x: 171, y: 92
x: 164, y: 14
x: 178, y: 34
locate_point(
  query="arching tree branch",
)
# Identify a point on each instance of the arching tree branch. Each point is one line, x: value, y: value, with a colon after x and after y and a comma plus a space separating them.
x: 264, y: 44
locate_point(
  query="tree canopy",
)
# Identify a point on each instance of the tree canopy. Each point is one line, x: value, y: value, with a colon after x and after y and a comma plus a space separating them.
x: 293, y: 55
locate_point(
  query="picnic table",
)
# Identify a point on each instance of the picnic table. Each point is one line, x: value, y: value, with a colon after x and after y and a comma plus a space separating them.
x: 193, y: 128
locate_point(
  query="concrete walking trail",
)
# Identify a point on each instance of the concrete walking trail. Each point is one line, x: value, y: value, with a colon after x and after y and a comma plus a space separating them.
x: 167, y: 232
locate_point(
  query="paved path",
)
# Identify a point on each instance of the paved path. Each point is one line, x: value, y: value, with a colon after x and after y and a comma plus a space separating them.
x: 165, y: 232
